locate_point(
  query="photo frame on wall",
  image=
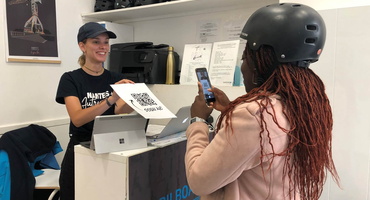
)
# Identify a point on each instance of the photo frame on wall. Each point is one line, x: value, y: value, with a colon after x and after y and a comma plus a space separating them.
x: 31, y: 31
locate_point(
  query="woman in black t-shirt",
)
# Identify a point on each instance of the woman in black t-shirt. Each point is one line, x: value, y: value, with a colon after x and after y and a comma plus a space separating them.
x: 86, y: 93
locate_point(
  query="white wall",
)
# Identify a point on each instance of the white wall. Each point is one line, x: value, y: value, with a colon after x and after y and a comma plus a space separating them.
x: 351, y: 72
x: 178, y: 31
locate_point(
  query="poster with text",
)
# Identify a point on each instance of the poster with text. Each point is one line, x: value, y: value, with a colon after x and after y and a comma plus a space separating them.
x: 31, y: 31
x: 195, y: 56
x: 223, y: 62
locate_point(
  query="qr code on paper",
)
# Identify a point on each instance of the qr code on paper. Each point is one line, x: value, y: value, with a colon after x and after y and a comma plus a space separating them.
x: 143, y: 99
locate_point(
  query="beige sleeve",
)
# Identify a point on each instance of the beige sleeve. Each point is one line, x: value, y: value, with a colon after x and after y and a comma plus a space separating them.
x: 210, y: 166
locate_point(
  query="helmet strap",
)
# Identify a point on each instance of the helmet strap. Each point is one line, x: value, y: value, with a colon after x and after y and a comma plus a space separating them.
x: 303, y: 63
x: 260, y: 78
x: 257, y: 80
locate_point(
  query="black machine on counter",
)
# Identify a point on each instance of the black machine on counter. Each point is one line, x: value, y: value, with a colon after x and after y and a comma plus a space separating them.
x: 142, y: 62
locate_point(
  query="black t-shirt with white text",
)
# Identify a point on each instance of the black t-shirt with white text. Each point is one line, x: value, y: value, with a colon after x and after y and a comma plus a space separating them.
x: 90, y: 90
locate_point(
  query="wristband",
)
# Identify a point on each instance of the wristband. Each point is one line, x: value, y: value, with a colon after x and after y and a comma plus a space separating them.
x: 108, y: 103
x: 198, y: 119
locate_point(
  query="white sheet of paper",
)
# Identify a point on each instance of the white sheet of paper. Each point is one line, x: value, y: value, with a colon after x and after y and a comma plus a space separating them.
x: 208, y: 31
x: 195, y: 56
x: 223, y: 62
x: 142, y: 100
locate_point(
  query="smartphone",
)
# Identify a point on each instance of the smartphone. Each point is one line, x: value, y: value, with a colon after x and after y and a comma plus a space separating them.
x: 203, y: 78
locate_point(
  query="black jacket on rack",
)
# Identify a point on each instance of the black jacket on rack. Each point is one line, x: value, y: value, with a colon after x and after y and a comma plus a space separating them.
x: 23, y: 146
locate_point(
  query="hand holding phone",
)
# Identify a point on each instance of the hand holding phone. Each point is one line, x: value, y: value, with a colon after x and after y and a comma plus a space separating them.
x: 203, y: 78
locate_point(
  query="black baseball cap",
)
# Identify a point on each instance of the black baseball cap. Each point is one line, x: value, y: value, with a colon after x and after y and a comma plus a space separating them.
x: 91, y: 30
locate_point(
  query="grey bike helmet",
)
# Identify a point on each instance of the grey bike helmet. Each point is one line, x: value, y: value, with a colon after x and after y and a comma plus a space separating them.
x: 296, y: 32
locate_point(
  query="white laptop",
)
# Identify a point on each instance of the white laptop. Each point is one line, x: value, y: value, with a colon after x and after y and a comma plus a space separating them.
x: 112, y: 133
x: 175, y: 125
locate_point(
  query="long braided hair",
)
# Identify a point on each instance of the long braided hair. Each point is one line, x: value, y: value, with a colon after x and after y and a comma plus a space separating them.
x: 308, y: 154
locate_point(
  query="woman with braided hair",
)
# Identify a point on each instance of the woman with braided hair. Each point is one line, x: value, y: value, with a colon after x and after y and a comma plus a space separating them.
x: 275, y: 141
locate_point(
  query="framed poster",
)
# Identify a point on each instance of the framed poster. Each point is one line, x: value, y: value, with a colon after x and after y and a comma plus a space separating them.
x: 31, y: 31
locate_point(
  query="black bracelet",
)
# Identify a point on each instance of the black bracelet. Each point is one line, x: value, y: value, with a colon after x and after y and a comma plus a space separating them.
x: 108, y: 103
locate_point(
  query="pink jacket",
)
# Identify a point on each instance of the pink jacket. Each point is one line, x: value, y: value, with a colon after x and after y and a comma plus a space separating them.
x: 229, y: 167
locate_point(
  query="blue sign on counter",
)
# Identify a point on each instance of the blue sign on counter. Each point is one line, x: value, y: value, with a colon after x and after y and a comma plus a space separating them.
x: 160, y: 174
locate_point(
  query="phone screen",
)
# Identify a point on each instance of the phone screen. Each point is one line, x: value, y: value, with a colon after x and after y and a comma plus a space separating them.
x: 203, y: 78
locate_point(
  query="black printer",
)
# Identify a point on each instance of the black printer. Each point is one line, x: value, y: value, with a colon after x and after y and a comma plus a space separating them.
x: 142, y: 62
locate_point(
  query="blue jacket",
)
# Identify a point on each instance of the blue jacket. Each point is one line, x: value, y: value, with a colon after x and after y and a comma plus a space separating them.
x: 23, y: 146
x: 4, y: 176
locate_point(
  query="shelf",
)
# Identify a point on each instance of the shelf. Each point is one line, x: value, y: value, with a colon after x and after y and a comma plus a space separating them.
x: 165, y: 10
